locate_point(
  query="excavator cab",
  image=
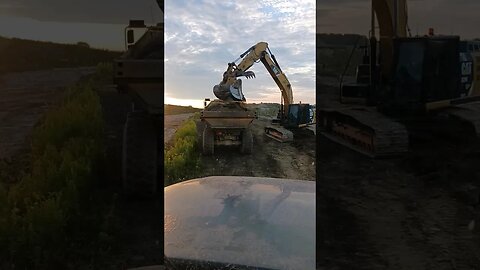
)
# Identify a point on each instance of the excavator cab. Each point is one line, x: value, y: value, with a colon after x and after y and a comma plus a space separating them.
x: 425, y: 74
x: 299, y: 115
x: 425, y: 70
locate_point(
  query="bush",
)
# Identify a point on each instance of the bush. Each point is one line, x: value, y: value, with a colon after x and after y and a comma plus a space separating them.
x: 182, y: 158
x: 37, y: 213
x: 104, y: 73
x: 80, y: 116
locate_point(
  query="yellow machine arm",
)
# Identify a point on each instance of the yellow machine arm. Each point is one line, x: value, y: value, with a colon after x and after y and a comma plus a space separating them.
x: 392, y: 17
x: 261, y: 52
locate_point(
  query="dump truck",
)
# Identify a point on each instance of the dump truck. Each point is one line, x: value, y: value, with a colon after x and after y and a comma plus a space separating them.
x: 225, y: 123
x: 138, y: 72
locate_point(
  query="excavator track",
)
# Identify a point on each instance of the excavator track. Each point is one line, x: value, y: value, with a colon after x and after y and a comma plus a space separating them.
x: 279, y: 133
x: 364, y: 130
x: 469, y: 113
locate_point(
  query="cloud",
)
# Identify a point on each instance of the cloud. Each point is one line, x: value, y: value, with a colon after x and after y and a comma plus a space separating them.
x: 203, y: 36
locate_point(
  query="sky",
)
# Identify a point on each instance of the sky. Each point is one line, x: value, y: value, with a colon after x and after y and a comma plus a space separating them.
x: 458, y: 17
x: 99, y: 23
x: 202, y: 36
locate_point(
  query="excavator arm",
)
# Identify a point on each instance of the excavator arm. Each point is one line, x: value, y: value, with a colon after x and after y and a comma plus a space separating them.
x: 259, y: 52
x: 392, y: 17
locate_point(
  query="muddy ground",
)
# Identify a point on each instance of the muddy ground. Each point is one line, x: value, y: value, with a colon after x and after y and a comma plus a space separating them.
x: 417, y: 211
x: 293, y: 160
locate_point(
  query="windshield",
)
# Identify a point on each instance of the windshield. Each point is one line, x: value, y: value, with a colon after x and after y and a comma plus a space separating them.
x: 410, y: 62
x: 263, y: 223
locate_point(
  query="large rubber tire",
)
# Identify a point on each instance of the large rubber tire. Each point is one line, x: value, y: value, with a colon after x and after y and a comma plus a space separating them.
x: 140, y: 155
x: 247, y: 141
x: 208, y: 141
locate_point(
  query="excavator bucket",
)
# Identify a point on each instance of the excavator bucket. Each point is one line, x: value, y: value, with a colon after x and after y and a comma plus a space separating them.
x: 279, y: 133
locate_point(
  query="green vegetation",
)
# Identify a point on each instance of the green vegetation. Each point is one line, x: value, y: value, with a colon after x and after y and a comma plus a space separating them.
x: 182, y: 159
x: 54, y: 210
x: 103, y: 74
x: 25, y: 55
x: 175, y: 109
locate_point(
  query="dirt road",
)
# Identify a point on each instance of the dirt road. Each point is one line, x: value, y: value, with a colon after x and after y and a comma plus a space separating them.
x: 411, y: 212
x: 171, y: 124
x: 24, y: 97
x: 295, y: 160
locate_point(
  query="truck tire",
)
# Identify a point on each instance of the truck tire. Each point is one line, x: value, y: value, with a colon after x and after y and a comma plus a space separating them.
x: 208, y: 141
x: 247, y: 141
x: 139, y: 155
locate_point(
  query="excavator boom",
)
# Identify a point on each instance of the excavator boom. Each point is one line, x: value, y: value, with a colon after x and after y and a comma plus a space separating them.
x: 392, y: 17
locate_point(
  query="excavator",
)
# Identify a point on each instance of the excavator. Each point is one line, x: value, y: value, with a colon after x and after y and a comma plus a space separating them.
x: 226, y: 120
x: 404, y: 78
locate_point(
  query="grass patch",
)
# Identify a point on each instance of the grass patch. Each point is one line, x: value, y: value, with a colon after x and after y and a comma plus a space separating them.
x: 182, y: 159
x: 53, y: 209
